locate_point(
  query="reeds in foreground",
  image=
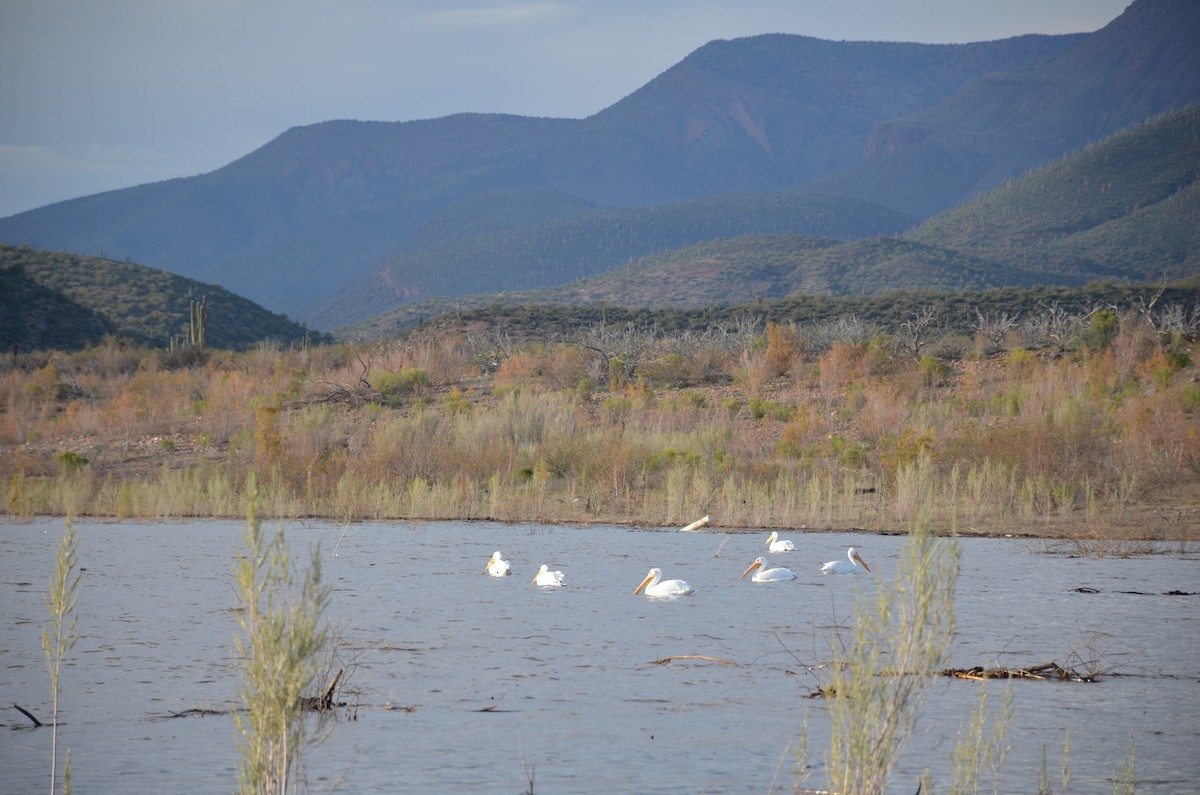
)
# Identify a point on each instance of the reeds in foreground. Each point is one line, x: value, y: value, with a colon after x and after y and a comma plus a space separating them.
x: 60, y: 636
x: 284, y: 634
x: 900, y: 641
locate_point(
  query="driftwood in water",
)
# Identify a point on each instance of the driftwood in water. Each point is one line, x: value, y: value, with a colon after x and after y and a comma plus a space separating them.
x: 1050, y: 670
x: 197, y: 712
x: 665, y: 660
x: 1139, y: 593
x: 323, y: 702
x: 27, y: 714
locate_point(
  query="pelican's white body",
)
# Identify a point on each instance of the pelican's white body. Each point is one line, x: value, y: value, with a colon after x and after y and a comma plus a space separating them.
x: 854, y: 565
x: 775, y: 544
x: 498, y: 566
x: 773, y: 574
x: 547, y: 577
x: 655, y: 585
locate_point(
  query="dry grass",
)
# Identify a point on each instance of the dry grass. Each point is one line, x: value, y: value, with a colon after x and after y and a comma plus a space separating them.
x: 1095, y: 444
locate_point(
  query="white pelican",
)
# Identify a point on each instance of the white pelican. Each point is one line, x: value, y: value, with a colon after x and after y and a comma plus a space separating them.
x: 547, y: 577
x: 497, y: 566
x: 773, y: 544
x: 855, y: 565
x: 774, y: 574
x: 655, y: 585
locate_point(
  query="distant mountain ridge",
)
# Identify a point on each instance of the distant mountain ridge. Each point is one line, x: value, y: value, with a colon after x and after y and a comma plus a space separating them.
x: 1123, y: 210
x: 993, y: 129
x: 323, y: 209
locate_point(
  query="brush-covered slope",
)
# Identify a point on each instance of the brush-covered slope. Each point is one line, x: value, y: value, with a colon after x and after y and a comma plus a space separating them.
x: 67, y: 301
x: 738, y: 271
x: 1126, y: 207
x: 580, y: 246
x: 743, y: 269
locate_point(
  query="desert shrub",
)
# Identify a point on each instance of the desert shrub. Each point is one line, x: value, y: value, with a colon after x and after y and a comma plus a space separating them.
x: 671, y: 370
x: 70, y: 461
x: 564, y: 366
x: 392, y: 387
x: 934, y: 370
x: 879, y: 676
x: 284, y: 632
x: 523, y: 367
x: 783, y: 348
x: 770, y: 409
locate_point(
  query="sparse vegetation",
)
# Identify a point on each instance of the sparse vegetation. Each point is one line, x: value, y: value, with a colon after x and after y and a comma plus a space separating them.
x: 284, y: 635
x: 900, y: 639
x: 59, y: 638
x: 815, y: 423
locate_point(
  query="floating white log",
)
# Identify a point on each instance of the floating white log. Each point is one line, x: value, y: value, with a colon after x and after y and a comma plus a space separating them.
x: 701, y: 522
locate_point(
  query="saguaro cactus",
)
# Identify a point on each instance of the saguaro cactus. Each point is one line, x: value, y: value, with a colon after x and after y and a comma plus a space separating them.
x: 198, y: 322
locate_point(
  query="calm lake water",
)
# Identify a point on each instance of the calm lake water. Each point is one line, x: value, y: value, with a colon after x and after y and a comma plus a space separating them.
x: 510, y: 680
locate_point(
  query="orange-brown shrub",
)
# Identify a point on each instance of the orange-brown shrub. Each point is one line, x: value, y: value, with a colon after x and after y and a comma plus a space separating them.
x: 783, y: 349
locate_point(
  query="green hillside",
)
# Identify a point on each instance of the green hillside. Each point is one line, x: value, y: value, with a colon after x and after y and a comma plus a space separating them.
x: 740, y: 269
x: 67, y: 301
x: 1125, y: 207
x: 568, y: 249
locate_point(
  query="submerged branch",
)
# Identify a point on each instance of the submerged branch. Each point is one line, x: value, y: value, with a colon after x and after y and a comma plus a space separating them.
x: 27, y: 714
x: 1049, y: 670
x: 665, y: 660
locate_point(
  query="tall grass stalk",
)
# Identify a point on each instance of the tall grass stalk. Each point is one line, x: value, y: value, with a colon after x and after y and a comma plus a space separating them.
x: 1066, y: 763
x: 284, y: 634
x: 900, y: 639
x: 60, y: 636
x: 1126, y: 784
x: 1043, y: 782
x: 973, y: 752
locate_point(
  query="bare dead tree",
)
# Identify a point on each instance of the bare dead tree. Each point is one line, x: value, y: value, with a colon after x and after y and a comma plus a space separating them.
x: 489, y: 351
x: 355, y: 394
x: 1145, y: 307
x: 916, y: 330
x: 994, y: 329
x: 1054, y: 326
x: 847, y: 329
x: 1178, y: 319
x: 619, y: 351
x: 1171, y: 319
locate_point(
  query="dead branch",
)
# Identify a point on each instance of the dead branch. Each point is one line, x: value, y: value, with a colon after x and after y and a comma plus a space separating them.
x: 665, y: 660
x: 325, y: 701
x: 355, y: 395
x: 197, y: 712
x: 27, y: 714
x: 1049, y: 670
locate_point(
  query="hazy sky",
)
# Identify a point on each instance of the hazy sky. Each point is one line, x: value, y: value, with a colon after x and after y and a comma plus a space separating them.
x: 103, y: 94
